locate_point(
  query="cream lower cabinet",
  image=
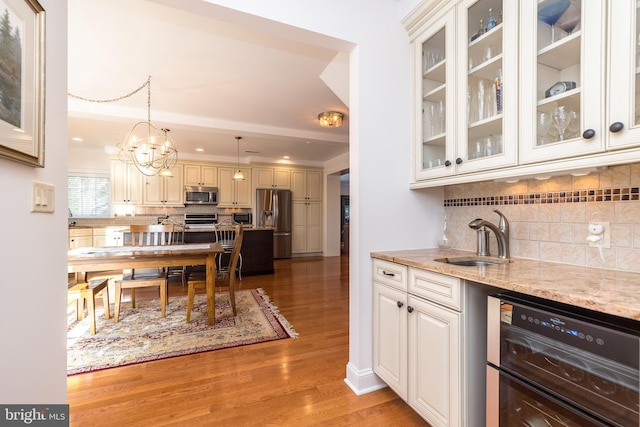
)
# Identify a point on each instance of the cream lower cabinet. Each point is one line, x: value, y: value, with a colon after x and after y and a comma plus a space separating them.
x: 306, y: 227
x: 429, y: 342
x: 108, y: 236
x: 80, y: 237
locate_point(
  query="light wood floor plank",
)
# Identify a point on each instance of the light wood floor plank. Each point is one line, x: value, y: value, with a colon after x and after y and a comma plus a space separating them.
x: 281, y: 383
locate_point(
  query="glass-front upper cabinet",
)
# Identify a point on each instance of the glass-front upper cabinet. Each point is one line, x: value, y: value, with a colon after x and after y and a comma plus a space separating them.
x: 434, y: 68
x: 623, y: 88
x: 562, y: 56
x: 487, y: 106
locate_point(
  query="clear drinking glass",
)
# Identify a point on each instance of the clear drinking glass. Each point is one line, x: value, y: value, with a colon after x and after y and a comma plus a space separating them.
x: 543, y: 125
x: 441, y: 116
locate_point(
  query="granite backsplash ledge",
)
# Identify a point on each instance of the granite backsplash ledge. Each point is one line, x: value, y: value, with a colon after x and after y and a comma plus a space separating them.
x: 549, y: 218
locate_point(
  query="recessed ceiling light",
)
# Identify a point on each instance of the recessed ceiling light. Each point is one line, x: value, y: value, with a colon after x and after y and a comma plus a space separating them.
x: 77, y: 139
x: 199, y: 149
x: 286, y: 157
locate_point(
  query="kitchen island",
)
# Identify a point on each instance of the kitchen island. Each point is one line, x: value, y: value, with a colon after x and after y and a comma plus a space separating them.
x: 257, y: 247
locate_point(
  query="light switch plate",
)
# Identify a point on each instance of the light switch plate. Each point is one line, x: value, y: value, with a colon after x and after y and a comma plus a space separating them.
x: 42, y: 197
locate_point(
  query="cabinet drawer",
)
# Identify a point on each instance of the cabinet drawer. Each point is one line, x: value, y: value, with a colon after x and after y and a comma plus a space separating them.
x: 436, y: 287
x: 80, y: 232
x: 390, y: 273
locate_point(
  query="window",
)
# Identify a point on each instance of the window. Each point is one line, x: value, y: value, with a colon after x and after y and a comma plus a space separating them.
x: 89, y: 196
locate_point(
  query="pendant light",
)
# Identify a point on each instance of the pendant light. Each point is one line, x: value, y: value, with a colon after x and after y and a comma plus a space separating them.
x: 238, y: 176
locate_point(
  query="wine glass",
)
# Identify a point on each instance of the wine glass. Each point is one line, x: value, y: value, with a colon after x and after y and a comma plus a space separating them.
x: 543, y: 125
x: 549, y: 11
x: 570, y: 19
x: 561, y: 117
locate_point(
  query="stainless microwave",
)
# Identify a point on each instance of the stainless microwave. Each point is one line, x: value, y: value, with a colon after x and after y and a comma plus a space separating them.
x: 194, y: 195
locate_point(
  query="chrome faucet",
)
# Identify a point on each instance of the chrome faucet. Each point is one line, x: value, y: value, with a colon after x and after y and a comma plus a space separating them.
x: 501, y: 231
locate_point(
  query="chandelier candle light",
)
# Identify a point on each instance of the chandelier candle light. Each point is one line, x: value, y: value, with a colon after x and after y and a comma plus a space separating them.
x: 151, y: 150
x: 330, y: 119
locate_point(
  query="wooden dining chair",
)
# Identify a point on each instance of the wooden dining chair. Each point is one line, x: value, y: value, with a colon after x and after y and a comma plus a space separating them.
x: 225, y: 277
x: 145, y: 235
x: 225, y: 234
x: 84, y: 295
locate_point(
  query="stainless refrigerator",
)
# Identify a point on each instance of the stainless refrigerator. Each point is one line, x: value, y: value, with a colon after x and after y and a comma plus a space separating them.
x: 273, y: 209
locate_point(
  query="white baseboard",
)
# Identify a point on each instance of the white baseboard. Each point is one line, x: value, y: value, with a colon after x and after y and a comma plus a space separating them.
x: 363, y: 381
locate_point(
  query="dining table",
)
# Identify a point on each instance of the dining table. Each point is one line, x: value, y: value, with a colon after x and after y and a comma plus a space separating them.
x: 89, y: 259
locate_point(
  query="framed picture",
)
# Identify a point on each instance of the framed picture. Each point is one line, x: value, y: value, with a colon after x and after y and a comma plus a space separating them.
x: 22, y: 81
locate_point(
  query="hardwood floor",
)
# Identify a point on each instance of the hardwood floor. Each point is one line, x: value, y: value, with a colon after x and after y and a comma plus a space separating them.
x: 290, y: 382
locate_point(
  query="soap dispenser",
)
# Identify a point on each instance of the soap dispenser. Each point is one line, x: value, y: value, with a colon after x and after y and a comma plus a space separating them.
x: 482, y: 242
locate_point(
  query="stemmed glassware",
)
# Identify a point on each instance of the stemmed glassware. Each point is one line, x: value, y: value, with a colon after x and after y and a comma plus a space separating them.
x: 571, y: 17
x: 561, y: 117
x: 549, y: 11
x: 441, y: 113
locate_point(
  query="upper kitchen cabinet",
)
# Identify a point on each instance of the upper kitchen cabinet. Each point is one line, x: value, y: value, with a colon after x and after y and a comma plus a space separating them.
x: 306, y: 185
x: 234, y: 193
x: 624, y: 73
x: 200, y: 175
x: 266, y: 177
x: 465, y: 62
x: 563, y: 50
x: 126, y: 184
x: 165, y: 191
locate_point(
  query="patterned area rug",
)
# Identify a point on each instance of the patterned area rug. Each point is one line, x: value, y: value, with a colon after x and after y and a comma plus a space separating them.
x: 143, y: 335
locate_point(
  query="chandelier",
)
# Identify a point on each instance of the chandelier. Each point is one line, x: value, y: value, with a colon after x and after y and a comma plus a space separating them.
x: 330, y: 119
x: 238, y: 175
x: 151, y: 150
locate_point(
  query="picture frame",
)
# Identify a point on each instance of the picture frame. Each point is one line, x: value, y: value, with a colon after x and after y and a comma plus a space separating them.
x: 22, y: 79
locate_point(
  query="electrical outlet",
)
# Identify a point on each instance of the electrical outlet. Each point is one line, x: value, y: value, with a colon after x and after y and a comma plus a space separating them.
x: 605, y: 236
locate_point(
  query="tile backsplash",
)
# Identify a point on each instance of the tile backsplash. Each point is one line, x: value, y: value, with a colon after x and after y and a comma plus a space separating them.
x: 548, y: 219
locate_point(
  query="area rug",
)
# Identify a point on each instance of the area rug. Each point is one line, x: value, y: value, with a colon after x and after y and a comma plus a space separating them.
x: 143, y: 335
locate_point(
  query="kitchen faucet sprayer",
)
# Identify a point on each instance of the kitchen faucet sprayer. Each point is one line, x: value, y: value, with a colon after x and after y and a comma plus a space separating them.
x: 501, y: 232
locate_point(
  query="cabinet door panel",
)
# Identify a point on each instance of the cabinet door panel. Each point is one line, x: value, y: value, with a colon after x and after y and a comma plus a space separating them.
x: 624, y: 73
x: 390, y: 337
x: 553, y: 120
x: 434, y: 360
x: 173, y: 186
x: 314, y: 185
x: 299, y: 227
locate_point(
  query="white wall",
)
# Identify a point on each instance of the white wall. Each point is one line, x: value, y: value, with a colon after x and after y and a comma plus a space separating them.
x: 385, y: 214
x: 33, y: 253
x: 32, y: 318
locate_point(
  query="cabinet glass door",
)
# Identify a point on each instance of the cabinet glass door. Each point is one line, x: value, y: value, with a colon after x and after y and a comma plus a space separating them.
x: 434, y: 69
x: 563, y: 47
x: 623, y: 123
x: 487, y: 84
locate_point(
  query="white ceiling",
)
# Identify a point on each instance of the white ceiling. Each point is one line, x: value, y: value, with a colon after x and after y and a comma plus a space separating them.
x: 210, y: 81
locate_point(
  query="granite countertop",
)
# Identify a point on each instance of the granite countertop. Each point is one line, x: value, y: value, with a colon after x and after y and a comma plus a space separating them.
x: 608, y: 291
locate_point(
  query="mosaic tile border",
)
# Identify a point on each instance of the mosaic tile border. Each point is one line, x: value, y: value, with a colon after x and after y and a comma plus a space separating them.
x: 577, y: 196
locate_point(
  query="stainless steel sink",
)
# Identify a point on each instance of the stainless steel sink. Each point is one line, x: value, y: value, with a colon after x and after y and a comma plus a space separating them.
x: 473, y: 261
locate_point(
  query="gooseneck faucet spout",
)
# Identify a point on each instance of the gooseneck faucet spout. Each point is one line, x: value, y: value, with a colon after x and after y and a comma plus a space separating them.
x: 501, y: 231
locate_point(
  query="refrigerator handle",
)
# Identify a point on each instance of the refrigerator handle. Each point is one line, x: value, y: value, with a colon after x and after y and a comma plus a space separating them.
x: 275, y: 208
